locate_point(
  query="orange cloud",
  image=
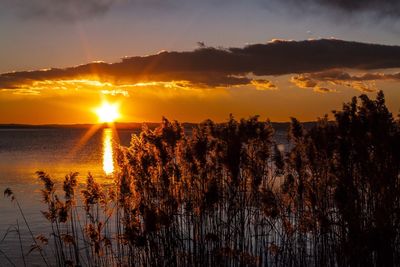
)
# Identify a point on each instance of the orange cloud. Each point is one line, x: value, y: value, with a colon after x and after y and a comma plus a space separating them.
x: 364, y: 82
x: 263, y: 85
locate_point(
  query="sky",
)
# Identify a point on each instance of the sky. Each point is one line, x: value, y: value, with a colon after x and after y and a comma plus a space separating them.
x: 193, y: 60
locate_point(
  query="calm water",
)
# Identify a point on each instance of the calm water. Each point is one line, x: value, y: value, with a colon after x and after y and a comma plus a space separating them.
x: 57, y: 151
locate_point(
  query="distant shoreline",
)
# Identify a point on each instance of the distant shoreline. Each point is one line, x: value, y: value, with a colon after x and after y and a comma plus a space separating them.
x: 134, y: 125
x: 128, y: 125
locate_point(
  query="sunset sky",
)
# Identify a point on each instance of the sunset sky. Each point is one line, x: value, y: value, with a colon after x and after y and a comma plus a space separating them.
x: 192, y: 60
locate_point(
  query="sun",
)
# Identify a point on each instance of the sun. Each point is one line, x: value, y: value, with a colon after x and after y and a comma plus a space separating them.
x: 108, y: 112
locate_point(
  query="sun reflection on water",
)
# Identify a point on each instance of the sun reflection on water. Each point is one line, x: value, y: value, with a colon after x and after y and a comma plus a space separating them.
x: 108, y: 159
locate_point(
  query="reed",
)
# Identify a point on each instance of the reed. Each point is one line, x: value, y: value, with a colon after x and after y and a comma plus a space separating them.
x: 226, y: 195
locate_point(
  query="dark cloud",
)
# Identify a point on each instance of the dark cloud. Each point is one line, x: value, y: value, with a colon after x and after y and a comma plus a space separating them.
x: 339, y: 10
x: 211, y: 67
x: 67, y: 10
x: 82, y: 9
x: 388, y: 7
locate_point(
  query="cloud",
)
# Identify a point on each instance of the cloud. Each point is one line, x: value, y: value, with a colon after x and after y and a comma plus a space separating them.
x: 342, y: 75
x: 83, y: 9
x: 339, y: 10
x: 26, y: 92
x: 382, y: 7
x: 304, y: 81
x: 263, y: 85
x: 59, y: 9
x: 115, y: 92
x: 219, y: 67
x: 364, y: 82
x: 74, y: 10
x: 323, y: 90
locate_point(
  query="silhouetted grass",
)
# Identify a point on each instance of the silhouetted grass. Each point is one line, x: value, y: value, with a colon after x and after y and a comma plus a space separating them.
x: 226, y: 195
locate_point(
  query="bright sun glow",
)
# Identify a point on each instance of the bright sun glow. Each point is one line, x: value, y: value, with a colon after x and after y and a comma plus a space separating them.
x: 108, y: 112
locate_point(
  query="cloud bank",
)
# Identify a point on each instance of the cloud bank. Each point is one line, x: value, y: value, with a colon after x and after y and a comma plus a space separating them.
x: 219, y: 67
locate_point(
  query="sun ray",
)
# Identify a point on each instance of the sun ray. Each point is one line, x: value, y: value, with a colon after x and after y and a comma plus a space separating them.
x: 82, y: 141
